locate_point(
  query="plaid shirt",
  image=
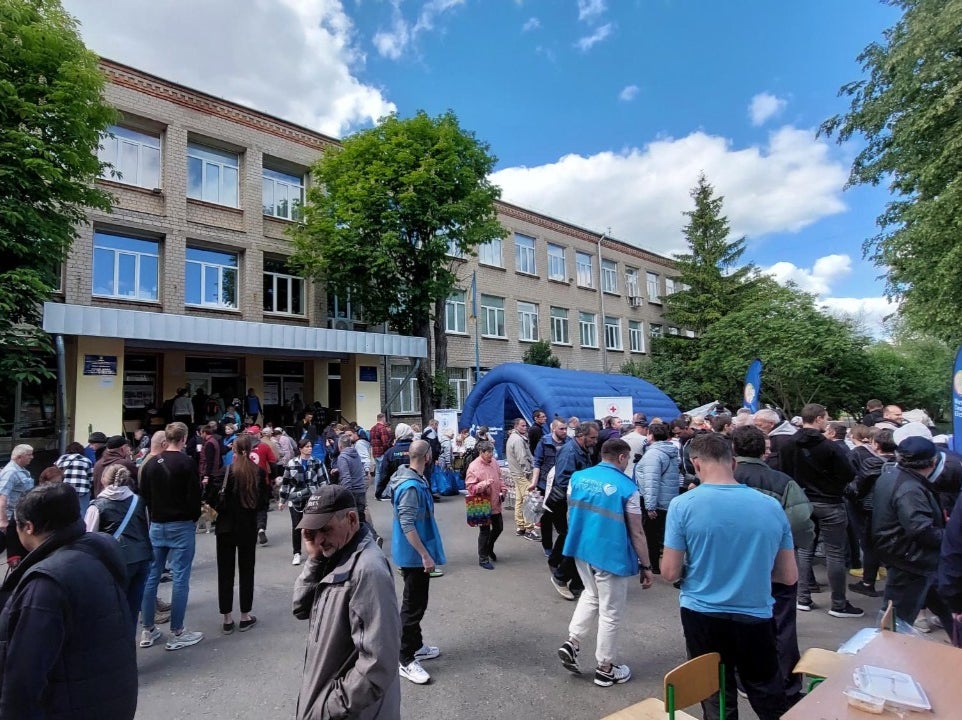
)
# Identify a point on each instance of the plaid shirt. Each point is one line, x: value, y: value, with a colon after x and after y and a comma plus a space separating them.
x: 382, y: 438
x: 78, y: 471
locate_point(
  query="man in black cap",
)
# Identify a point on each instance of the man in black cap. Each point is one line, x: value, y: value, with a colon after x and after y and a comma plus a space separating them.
x: 96, y: 442
x: 347, y: 591
x: 907, y: 525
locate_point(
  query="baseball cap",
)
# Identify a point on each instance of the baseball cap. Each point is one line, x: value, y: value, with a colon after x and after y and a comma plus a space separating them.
x: 254, y: 430
x: 97, y: 437
x: 116, y: 441
x: 323, y: 504
x: 916, y: 448
x: 911, y: 429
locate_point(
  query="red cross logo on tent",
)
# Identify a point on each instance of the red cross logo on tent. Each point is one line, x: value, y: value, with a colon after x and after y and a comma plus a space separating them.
x: 613, y: 409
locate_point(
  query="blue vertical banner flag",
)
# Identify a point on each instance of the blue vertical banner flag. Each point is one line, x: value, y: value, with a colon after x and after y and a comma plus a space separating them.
x: 753, y: 386
x: 957, y: 402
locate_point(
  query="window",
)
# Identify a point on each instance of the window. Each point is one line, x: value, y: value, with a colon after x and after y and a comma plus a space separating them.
x: 556, y: 263
x: 458, y: 380
x: 527, y: 321
x: 652, y: 281
x: 132, y: 154
x: 125, y: 267
x: 636, y: 336
x: 609, y: 276
x: 283, y: 194
x: 454, y: 251
x: 669, y: 286
x: 283, y: 292
x: 524, y: 254
x: 631, y: 282
x: 689, y: 333
x: 672, y: 330
x: 492, y: 316
x: 408, y: 400
x: 490, y: 253
x: 612, y: 333
x: 583, y: 267
x: 559, y: 326
x: 211, y: 278
x: 656, y: 330
x: 455, y: 313
x: 211, y: 175
x: 588, y: 326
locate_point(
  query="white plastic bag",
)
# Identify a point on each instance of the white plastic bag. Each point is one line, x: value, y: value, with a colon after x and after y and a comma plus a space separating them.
x: 533, y: 507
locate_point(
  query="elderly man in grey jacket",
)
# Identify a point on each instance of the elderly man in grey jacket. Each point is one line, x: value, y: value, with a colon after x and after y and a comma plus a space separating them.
x: 347, y: 591
x: 520, y: 464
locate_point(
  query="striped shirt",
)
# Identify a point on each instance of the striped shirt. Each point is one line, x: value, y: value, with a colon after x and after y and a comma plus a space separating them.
x: 77, y: 471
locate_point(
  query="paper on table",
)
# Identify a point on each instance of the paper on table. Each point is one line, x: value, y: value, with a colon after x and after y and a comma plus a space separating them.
x: 895, y: 688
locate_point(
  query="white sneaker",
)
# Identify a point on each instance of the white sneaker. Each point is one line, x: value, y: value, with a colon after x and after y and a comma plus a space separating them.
x: 415, y: 673
x: 185, y: 639
x: 618, y: 674
x: 297, y: 559
x: 149, y: 637
x: 427, y: 652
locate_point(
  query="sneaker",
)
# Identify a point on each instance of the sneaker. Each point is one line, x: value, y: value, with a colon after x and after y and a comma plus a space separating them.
x: 849, y: 611
x: 569, y: 657
x: 935, y: 623
x: 162, y: 618
x: 415, y: 673
x: 863, y: 588
x: 486, y: 564
x: 149, y: 637
x: 262, y: 537
x: 804, y: 606
x: 427, y: 652
x: 617, y: 674
x: 436, y: 573
x: 562, y: 589
x: 532, y: 535
x: 297, y: 559
x: 519, y: 532
x: 185, y: 639
x: 922, y: 625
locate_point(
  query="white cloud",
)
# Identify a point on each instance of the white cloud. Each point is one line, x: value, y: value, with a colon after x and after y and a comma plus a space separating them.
x: 532, y: 24
x: 873, y: 314
x: 765, y: 106
x: 590, y: 10
x: 589, y: 41
x: 628, y: 93
x: 403, y: 34
x: 299, y: 56
x: 785, y: 185
x: 819, y: 279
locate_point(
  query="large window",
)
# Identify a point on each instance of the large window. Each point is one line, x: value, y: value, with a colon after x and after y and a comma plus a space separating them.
x: 631, y: 282
x: 612, y: 333
x: 134, y: 155
x: 283, y: 292
x: 583, y: 266
x: 669, y: 286
x: 588, y: 327
x: 559, y: 326
x: 211, y: 278
x: 556, y: 263
x: 656, y: 330
x: 408, y: 400
x: 454, y: 251
x: 125, y: 267
x: 211, y: 175
x: 609, y: 276
x: 524, y: 254
x: 490, y: 253
x: 636, y: 336
x: 492, y: 316
x: 652, y: 282
x: 455, y: 313
x: 458, y: 380
x: 283, y: 194
x: 527, y: 321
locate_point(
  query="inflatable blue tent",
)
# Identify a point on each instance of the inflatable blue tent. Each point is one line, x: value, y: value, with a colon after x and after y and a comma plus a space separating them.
x: 514, y: 390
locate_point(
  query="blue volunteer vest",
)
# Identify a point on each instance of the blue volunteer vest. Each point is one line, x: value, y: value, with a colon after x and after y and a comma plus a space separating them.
x: 402, y: 552
x: 597, y: 531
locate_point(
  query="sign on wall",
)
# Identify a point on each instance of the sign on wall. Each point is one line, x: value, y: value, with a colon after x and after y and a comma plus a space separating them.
x: 622, y: 407
x: 447, y: 420
x: 100, y: 364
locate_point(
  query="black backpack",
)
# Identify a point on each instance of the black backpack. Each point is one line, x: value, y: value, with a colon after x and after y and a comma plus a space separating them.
x: 469, y: 457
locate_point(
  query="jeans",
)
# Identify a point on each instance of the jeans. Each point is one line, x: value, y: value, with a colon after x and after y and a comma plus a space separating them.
x: 262, y: 520
x: 910, y: 593
x: 862, y: 520
x: 360, y: 499
x: 605, y: 596
x: 173, y: 540
x: 242, y: 545
x: 295, y: 533
x: 831, y: 521
x: 746, y: 644
x: 655, y: 534
x: 562, y: 567
x: 84, y: 499
x: 414, y: 603
x: 488, y: 535
x: 136, y: 580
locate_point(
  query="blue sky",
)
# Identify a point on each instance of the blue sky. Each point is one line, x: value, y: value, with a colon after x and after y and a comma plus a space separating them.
x: 600, y: 112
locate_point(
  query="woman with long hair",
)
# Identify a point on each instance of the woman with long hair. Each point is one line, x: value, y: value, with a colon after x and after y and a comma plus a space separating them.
x: 303, y: 475
x: 244, y: 493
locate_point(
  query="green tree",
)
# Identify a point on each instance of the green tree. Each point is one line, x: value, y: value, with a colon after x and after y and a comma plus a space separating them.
x: 908, y: 111
x: 384, y: 213
x: 52, y: 114
x: 539, y: 353
x: 670, y: 369
x: 911, y: 371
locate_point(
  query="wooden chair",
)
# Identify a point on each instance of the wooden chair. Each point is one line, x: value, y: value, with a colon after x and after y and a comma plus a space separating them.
x: 818, y: 664
x: 888, y: 618
x: 689, y: 683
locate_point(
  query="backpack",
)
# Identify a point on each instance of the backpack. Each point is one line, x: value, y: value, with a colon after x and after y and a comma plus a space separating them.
x: 211, y: 408
x: 469, y: 456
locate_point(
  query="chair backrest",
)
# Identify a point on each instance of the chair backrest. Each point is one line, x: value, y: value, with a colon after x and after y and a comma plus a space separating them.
x: 693, y: 681
x: 888, y: 618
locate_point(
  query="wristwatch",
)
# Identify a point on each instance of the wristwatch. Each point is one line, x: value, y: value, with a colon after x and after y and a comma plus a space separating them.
x: 644, y: 568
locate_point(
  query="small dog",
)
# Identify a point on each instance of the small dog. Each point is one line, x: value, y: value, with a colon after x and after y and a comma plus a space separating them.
x: 208, y: 516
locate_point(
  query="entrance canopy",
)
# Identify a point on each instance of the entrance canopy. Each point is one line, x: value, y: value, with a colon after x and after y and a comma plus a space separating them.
x: 514, y: 390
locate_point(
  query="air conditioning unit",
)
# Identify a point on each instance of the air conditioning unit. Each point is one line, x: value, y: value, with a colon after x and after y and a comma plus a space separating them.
x: 341, y: 324
x: 635, y: 300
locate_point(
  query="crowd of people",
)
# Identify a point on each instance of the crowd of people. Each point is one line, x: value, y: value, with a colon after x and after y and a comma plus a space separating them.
x: 611, y: 501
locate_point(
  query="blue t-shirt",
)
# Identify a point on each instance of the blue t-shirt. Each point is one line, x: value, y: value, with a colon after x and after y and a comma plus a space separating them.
x: 730, y: 535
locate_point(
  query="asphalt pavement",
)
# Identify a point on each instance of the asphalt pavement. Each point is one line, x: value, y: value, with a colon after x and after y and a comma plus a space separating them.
x: 498, y: 630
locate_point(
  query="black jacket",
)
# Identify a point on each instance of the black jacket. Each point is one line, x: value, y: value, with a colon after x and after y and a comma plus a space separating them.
x: 396, y: 456
x: 170, y: 486
x: 950, y: 560
x: 66, y: 636
x: 907, y: 522
x: 820, y: 466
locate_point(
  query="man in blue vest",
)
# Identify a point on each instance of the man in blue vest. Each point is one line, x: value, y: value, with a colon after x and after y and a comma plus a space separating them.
x: 415, y: 548
x: 606, y: 539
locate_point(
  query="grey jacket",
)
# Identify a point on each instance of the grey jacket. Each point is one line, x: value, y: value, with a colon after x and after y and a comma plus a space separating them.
x: 519, y: 454
x: 656, y: 475
x: 354, y: 640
